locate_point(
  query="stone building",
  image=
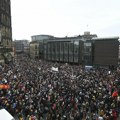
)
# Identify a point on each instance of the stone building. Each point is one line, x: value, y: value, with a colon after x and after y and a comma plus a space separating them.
x: 5, y: 31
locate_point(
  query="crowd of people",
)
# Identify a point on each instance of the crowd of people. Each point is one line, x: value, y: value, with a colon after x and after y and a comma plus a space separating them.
x: 37, y: 92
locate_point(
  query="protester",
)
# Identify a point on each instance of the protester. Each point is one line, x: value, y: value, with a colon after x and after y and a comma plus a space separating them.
x: 39, y: 91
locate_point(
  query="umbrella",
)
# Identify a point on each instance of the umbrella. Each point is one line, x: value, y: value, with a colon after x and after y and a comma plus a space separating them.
x: 3, y: 86
x: 115, y: 94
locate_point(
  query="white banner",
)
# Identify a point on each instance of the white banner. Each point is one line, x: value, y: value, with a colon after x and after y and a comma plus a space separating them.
x: 55, y: 69
x: 5, y: 115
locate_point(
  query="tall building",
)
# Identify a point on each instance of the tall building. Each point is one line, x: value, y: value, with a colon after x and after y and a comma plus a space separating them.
x: 5, y: 23
x: 5, y: 29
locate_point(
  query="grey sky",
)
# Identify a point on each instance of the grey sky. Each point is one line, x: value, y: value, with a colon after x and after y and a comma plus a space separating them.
x: 65, y: 17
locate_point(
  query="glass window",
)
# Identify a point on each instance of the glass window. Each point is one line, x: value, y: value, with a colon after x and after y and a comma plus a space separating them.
x: 87, y: 47
x: 66, y: 47
x: 35, y: 46
x: 76, y: 47
x: 58, y: 47
x: 57, y: 57
x: 70, y: 57
x: 35, y: 52
x: 71, y: 47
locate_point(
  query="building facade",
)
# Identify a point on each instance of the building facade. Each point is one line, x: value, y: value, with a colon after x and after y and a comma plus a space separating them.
x: 5, y: 23
x: 41, y: 37
x: 119, y: 53
x: 36, y: 46
x: 95, y: 51
x: 21, y: 46
x: 34, y: 49
x: 106, y: 51
x: 6, y: 50
x: 68, y: 49
x: 84, y: 49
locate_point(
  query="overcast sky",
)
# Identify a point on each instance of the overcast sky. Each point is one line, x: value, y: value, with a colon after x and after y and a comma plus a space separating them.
x: 65, y: 17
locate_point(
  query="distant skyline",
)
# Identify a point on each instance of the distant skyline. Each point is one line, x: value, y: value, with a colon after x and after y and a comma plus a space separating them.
x: 62, y: 18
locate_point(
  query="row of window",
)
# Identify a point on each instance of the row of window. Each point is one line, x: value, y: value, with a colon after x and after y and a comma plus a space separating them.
x: 62, y: 51
x: 62, y: 47
x: 5, y: 19
x: 5, y: 31
x: 5, y: 5
x: 7, y: 42
x: 62, y: 58
x: 71, y: 51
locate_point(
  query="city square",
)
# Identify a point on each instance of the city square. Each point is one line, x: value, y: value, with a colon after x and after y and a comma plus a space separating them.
x: 57, y: 78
